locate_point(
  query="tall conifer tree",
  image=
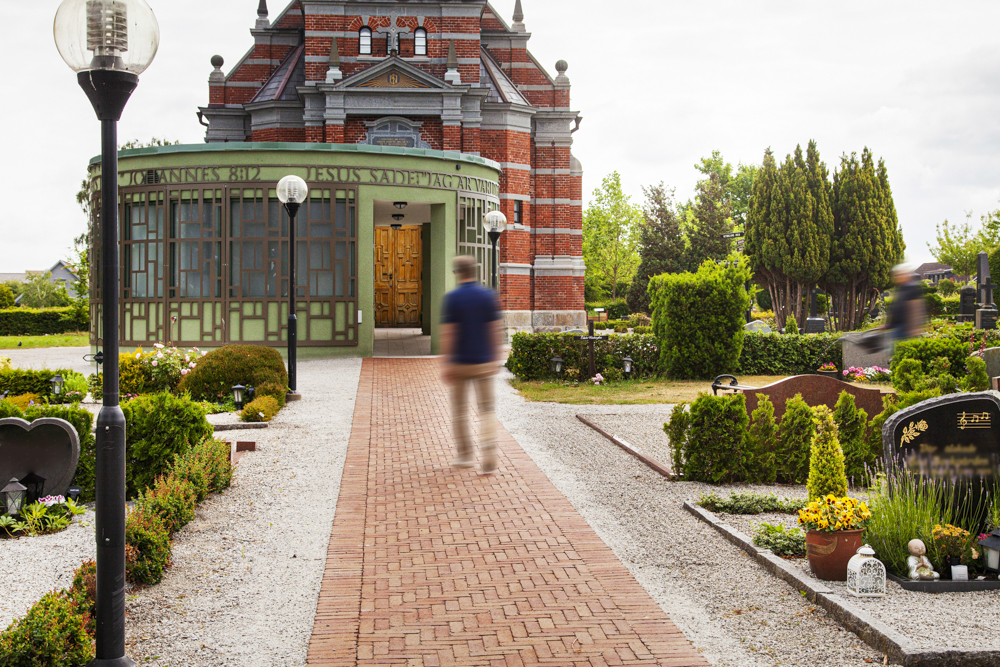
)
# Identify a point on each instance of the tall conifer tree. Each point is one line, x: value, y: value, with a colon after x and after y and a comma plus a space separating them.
x: 661, y: 245
x: 711, y: 219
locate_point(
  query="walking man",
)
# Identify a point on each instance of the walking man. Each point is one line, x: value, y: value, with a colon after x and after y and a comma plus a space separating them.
x: 470, y: 342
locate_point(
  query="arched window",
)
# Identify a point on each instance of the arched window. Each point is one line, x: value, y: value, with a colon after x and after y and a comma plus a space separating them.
x: 420, y: 42
x: 365, y: 42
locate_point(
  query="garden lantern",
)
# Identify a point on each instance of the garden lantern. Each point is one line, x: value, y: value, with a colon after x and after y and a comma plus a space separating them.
x: 991, y: 551
x: 238, y: 396
x: 57, y: 385
x: 292, y: 192
x: 557, y: 365
x: 866, y: 574
x: 35, y: 486
x: 496, y: 223
x: 13, y: 497
x: 627, y: 364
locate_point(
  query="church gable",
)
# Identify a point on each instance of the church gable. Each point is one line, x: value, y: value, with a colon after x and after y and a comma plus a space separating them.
x: 393, y: 78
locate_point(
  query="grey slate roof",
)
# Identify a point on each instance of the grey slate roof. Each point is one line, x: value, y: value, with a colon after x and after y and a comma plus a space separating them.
x: 502, y: 89
x: 289, y: 75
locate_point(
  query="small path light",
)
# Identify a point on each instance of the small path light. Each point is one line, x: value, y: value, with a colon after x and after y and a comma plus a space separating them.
x: 496, y: 223
x: 35, y: 485
x: 991, y: 551
x: 238, y: 396
x: 292, y: 192
x: 57, y: 386
x: 557, y: 366
x: 627, y: 364
x: 13, y: 497
x: 866, y: 574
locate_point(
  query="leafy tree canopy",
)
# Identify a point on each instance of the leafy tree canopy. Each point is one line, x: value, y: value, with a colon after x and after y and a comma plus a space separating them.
x: 611, y: 232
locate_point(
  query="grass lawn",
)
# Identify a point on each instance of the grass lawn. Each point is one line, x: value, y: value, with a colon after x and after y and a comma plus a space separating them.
x: 32, y: 342
x: 635, y: 392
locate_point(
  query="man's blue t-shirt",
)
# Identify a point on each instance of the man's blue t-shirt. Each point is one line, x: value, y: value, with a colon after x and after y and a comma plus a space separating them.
x: 473, y: 309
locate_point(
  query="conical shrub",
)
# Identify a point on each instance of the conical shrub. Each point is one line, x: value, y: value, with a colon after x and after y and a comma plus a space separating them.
x: 826, y: 461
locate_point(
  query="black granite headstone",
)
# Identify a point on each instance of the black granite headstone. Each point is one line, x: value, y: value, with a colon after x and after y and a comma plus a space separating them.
x: 47, y: 447
x: 986, y: 318
x: 815, y: 325
x: 954, y: 437
x: 967, y: 301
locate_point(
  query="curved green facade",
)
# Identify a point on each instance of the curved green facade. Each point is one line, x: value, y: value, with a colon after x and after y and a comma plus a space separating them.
x: 204, y: 241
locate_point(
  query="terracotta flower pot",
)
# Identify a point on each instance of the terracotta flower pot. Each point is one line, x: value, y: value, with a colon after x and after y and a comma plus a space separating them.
x: 829, y: 552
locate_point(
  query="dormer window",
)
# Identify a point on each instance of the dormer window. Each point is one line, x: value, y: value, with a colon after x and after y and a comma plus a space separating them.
x: 365, y: 41
x: 420, y: 42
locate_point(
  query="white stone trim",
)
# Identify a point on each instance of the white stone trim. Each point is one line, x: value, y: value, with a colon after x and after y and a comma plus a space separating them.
x: 557, y: 230
x: 514, y: 269
x: 514, y: 197
x: 559, y: 267
x: 558, y: 202
x: 516, y: 165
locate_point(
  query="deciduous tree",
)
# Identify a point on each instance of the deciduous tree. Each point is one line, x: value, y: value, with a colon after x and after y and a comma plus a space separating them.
x: 611, y: 232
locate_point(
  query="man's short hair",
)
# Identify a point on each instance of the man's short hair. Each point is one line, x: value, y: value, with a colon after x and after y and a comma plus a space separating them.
x: 465, y: 267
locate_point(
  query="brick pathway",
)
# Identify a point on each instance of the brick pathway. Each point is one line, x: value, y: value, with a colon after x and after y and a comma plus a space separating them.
x: 433, y: 566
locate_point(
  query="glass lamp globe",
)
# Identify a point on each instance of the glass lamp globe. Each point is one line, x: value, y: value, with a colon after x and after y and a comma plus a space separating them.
x: 292, y: 190
x: 495, y: 221
x: 118, y: 35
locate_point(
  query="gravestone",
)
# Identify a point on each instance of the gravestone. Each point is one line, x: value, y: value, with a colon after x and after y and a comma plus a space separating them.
x: 815, y: 325
x: 815, y: 390
x: 757, y: 326
x: 986, y: 317
x: 47, y: 447
x: 950, y: 437
x: 991, y: 356
x: 967, y: 302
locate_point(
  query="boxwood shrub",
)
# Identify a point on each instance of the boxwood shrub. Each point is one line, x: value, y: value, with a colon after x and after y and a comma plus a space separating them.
x: 52, y: 634
x: 531, y: 355
x: 261, y: 409
x: 926, y: 349
x: 776, y: 354
x: 713, y: 447
x: 19, y: 382
x: 220, y: 370
x: 38, y: 322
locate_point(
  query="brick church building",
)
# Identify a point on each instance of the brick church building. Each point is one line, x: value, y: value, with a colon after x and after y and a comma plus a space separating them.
x: 445, y: 75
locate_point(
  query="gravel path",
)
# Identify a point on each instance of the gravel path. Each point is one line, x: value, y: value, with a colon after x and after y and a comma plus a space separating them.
x: 737, y: 614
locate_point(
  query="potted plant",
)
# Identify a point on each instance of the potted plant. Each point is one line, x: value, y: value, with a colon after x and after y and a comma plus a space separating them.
x: 953, y: 546
x: 829, y: 369
x: 835, y: 529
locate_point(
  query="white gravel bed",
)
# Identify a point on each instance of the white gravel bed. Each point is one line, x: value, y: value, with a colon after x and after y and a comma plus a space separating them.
x: 736, y: 613
x: 30, y: 567
x: 247, y: 571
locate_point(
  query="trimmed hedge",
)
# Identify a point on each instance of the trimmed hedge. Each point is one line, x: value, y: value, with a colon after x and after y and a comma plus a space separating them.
x: 531, y: 355
x: 52, y: 634
x: 926, y: 350
x: 776, y: 354
x: 38, y: 322
x: 713, y: 449
x: 699, y: 319
x: 220, y: 370
x: 19, y: 382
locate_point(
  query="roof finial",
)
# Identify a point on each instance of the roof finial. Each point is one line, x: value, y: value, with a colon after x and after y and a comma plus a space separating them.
x: 334, y: 74
x: 262, y: 21
x: 452, y: 75
x: 518, y: 18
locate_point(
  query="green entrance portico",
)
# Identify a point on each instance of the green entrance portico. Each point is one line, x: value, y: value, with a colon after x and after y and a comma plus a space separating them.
x: 204, y: 241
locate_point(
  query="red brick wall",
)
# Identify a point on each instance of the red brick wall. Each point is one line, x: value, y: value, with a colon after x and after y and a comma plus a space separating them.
x: 280, y: 134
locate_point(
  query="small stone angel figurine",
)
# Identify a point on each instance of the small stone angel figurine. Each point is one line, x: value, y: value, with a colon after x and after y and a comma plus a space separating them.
x: 920, y: 566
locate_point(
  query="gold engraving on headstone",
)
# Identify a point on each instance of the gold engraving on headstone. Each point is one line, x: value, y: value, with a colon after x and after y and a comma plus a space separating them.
x: 974, y: 420
x: 912, y: 431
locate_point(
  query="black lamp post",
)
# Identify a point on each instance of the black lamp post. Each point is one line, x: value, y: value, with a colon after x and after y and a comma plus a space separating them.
x: 109, y: 43
x: 496, y: 223
x: 292, y: 192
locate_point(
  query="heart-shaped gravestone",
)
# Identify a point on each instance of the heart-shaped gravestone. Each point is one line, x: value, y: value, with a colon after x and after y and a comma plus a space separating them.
x: 47, y: 447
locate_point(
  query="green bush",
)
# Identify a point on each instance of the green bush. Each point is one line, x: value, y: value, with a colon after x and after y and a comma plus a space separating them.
x: 852, y: 424
x: 774, y: 354
x: 618, y: 310
x: 643, y: 330
x: 826, y: 459
x: 760, y: 440
x: 926, y: 350
x: 159, y: 426
x: 750, y: 502
x: 947, y: 287
x: 714, y: 451
x: 84, y: 589
x: 621, y: 328
x: 677, y: 430
x: 791, y: 326
x: 934, y: 303
x: 794, y: 445
x: 206, y: 466
x: 6, y: 297
x: 52, y: 634
x: 699, y: 318
x: 262, y: 409
x: 147, y: 547
x: 220, y: 370
x: 977, y: 378
x: 19, y: 382
x: 781, y: 542
x: 172, y: 499
x: 531, y: 355
x: 39, y: 322
x: 278, y: 392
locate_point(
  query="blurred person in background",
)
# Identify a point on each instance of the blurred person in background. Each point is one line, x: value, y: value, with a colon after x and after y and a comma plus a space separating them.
x: 470, y: 343
x: 907, y: 316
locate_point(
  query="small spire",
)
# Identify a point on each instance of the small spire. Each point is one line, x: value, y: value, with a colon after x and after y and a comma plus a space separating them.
x: 452, y: 75
x: 333, y: 74
x: 518, y: 18
x: 262, y: 21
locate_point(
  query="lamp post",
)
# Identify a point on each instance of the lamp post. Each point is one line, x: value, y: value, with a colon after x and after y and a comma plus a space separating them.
x: 496, y: 223
x: 292, y: 192
x: 109, y: 43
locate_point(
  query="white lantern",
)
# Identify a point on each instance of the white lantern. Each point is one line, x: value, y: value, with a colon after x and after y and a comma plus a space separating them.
x: 991, y: 551
x: 866, y: 574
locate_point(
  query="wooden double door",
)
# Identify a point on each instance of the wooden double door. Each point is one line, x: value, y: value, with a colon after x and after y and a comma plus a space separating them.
x: 398, y: 277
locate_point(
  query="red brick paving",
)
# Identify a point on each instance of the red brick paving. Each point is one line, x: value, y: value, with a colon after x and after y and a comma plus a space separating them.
x: 431, y: 566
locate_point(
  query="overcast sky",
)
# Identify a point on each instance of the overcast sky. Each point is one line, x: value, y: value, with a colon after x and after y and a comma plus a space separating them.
x: 660, y: 84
